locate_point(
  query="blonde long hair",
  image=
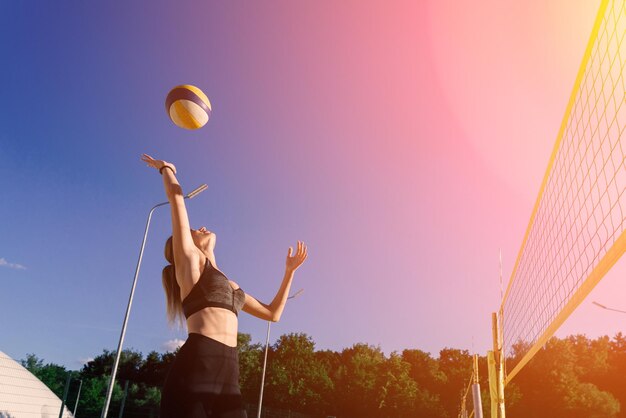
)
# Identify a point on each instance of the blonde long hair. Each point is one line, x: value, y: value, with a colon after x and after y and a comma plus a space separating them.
x: 174, y: 306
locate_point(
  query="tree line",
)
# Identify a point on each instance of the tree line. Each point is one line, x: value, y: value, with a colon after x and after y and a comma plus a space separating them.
x: 571, y: 377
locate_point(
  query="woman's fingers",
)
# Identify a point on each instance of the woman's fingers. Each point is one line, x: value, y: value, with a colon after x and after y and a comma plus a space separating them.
x: 295, y: 260
x: 148, y: 160
x: 301, y: 253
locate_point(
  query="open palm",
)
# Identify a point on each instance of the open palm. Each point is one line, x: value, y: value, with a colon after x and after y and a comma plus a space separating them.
x: 295, y: 260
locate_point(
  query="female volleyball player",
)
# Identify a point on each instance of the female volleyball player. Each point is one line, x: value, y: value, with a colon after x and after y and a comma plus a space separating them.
x: 204, y: 378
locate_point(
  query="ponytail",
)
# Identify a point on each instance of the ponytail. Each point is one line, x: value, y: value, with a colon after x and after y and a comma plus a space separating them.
x: 173, y: 303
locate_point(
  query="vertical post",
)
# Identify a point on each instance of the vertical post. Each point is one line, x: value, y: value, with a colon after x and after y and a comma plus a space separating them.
x: 499, y: 360
x: 78, y: 396
x: 475, y: 375
x: 67, y: 387
x: 118, y: 353
x: 463, y: 409
x: 267, y: 346
x: 124, y: 399
x: 493, y: 383
x: 478, y: 403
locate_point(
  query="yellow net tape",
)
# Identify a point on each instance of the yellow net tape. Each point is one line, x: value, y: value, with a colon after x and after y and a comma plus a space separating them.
x: 576, y: 230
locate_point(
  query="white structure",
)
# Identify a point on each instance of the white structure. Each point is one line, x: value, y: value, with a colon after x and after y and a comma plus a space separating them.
x: 22, y: 395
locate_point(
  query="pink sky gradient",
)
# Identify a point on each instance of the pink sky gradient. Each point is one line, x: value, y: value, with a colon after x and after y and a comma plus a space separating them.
x: 433, y: 127
x: 404, y: 141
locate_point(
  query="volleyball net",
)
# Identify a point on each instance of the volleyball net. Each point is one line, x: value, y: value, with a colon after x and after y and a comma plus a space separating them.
x: 576, y: 229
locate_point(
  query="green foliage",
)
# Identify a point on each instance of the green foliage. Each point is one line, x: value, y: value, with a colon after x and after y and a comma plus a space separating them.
x: 398, y: 392
x: 356, y: 380
x: 92, y: 396
x: 613, y: 381
x: 54, y: 376
x: 250, y: 367
x: 429, y: 379
x: 456, y: 365
x: 575, y: 377
x: 296, y: 379
x: 552, y: 384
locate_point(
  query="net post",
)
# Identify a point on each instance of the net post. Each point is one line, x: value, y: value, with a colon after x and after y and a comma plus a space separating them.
x: 499, y: 366
x: 493, y: 390
x: 475, y: 374
x: 477, y: 401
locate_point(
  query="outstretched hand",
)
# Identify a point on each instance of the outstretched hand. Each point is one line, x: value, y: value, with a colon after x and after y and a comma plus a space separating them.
x: 295, y: 260
x: 158, y: 164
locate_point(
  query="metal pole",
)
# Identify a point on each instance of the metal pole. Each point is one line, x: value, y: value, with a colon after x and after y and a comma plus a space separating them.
x: 607, y: 308
x: 267, y: 345
x: 67, y: 387
x: 105, y: 410
x: 78, y: 397
x: 496, y: 356
x: 499, y: 360
x: 107, y: 402
x: 478, y: 403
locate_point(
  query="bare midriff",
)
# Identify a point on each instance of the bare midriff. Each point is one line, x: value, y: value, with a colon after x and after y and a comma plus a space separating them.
x: 217, y: 323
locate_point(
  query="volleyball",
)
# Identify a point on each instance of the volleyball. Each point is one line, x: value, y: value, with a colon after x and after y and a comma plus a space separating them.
x: 188, y: 107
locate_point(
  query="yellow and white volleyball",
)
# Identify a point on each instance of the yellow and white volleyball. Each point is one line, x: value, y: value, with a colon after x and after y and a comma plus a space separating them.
x: 188, y: 107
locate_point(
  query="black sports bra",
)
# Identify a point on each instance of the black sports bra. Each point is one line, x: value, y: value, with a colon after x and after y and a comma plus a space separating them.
x: 213, y: 289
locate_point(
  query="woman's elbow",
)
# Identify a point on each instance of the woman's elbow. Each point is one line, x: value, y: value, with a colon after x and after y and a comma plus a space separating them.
x: 275, y: 316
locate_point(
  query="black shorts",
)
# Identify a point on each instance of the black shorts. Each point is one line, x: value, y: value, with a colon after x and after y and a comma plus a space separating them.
x: 203, y: 381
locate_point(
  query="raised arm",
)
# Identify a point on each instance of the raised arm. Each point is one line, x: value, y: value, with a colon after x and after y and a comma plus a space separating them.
x: 183, y: 246
x: 274, y: 310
